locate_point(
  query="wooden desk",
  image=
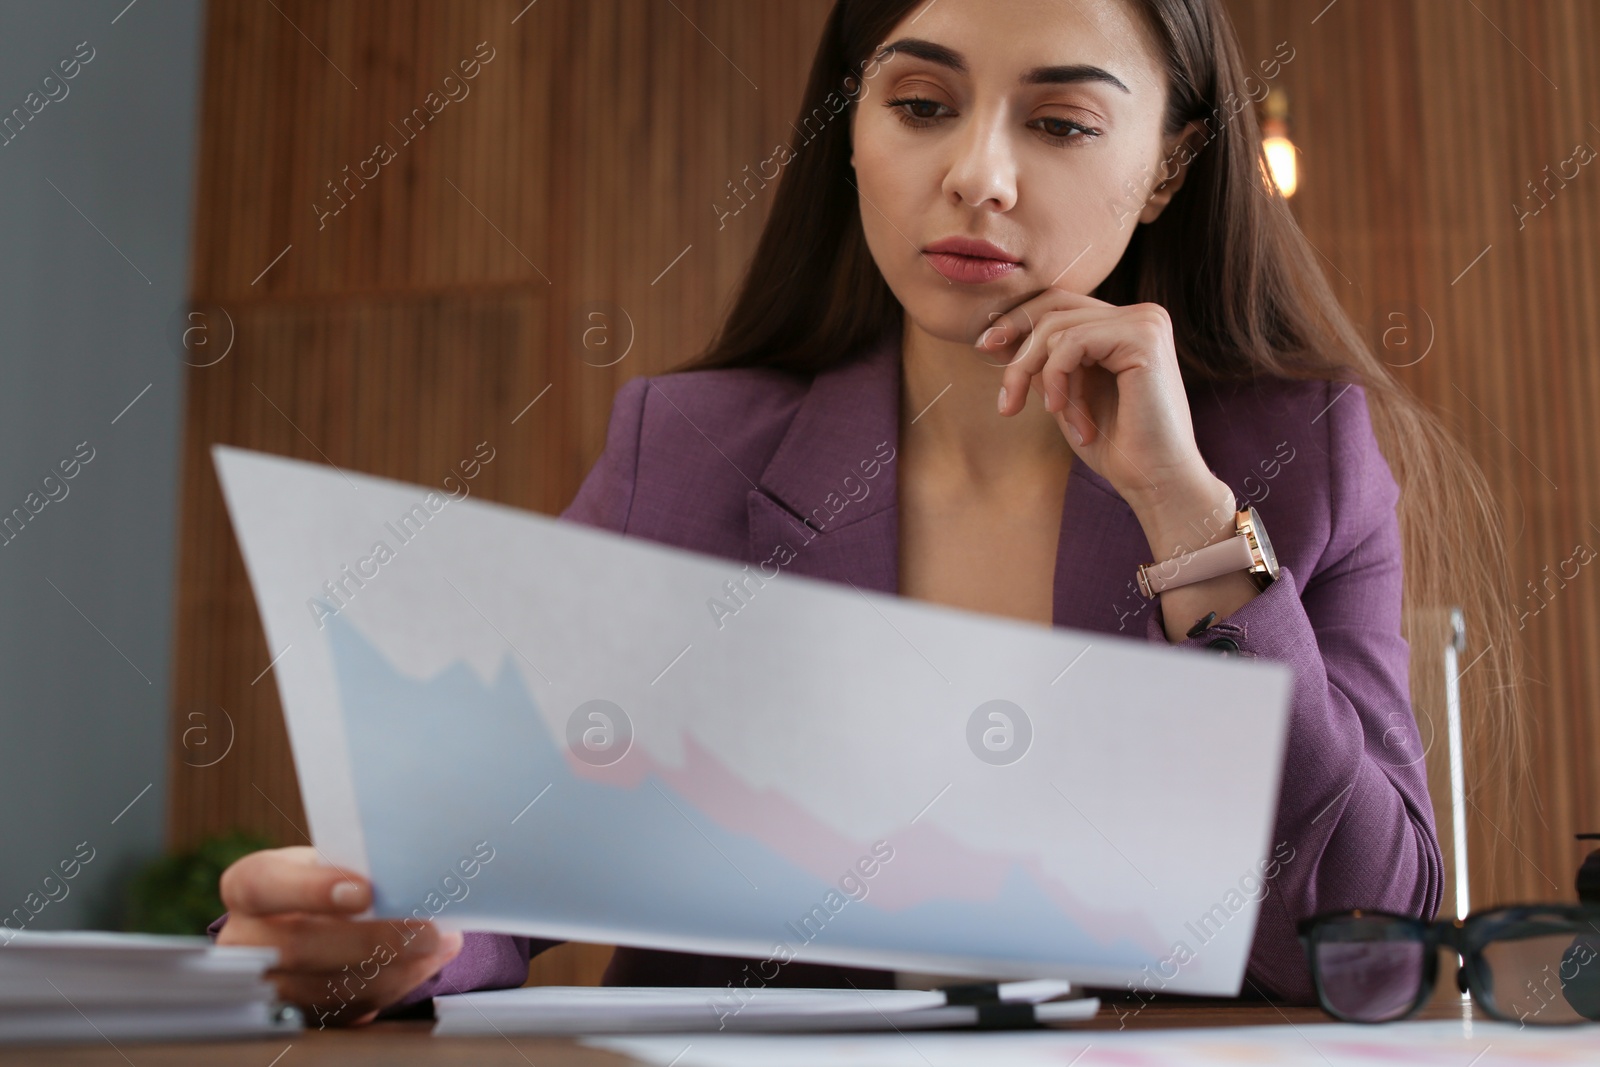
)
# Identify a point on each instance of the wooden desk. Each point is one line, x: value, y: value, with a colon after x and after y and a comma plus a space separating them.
x: 406, y: 1043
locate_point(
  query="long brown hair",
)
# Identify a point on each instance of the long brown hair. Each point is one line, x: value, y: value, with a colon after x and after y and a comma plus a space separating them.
x: 1246, y: 296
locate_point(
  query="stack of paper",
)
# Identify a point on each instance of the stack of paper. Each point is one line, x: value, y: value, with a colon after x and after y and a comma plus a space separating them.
x: 675, y: 1009
x: 84, y: 986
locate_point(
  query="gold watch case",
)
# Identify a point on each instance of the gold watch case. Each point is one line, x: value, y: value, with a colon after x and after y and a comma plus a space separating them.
x: 1265, y: 569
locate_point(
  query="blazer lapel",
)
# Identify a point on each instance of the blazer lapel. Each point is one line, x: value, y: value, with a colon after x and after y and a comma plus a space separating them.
x: 827, y: 500
x: 1100, y: 548
x: 827, y: 503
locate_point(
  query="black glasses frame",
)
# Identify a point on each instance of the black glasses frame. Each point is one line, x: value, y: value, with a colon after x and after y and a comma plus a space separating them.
x: 1466, y: 937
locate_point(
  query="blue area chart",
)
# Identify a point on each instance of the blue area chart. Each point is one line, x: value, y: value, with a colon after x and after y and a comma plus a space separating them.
x: 631, y: 851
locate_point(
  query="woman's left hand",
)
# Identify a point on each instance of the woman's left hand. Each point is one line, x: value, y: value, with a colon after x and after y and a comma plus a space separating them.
x: 1110, y: 376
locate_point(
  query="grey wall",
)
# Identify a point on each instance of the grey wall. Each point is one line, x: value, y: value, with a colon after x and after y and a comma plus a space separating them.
x: 94, y: 240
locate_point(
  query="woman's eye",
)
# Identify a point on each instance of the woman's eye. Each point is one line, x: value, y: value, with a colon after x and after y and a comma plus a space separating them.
x: 914, y: 111
x: 919, y: 112
x: 1065, y: 130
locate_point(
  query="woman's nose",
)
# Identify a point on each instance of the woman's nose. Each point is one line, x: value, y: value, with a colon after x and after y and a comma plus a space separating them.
x: 984, y: 171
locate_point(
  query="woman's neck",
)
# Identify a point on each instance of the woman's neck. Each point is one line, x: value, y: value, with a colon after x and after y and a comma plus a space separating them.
x: 948, y: 415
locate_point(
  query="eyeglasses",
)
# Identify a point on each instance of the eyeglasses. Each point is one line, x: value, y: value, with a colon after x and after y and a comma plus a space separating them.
x: 1534, y: 964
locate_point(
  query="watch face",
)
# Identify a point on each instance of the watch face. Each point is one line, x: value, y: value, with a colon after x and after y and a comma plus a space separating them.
x: 1264, y: 543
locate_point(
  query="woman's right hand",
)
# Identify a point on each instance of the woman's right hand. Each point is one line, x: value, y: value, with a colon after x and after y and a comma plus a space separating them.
x: 288, y: 899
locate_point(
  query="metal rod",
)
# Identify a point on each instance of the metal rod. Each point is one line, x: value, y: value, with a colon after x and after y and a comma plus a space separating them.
x: 1458, y: 787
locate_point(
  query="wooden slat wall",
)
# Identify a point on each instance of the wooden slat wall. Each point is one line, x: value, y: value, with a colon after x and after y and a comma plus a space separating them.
x: 452, y: 290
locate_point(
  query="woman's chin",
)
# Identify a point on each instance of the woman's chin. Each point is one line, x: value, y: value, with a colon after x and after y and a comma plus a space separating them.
x: 958, y: 318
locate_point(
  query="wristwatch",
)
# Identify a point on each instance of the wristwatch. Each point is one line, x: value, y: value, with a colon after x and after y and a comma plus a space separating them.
x: 1249, y: 550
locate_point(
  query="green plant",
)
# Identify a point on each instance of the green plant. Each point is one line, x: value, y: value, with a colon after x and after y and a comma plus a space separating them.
x: 177, y: 894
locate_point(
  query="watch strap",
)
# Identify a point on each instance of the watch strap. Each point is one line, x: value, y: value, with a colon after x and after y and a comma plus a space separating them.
x: 1210, y: 562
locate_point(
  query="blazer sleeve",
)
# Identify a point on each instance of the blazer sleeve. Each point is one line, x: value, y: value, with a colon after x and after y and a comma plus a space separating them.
x: 1355, y: 824
x: 486, y: 961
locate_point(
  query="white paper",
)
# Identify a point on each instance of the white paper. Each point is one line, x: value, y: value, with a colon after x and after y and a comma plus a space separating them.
x: 656, y: 1009
x: 104, y: 946
x: 93, y: 985
x: 1414, y: 1044
x: 146, y: 1023
x: 815, y: 778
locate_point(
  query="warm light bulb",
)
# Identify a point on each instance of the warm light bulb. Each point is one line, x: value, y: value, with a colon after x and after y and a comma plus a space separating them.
x: 1280, y: 152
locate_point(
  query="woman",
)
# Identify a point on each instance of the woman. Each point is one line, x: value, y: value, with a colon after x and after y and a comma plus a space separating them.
x: 971, y: 171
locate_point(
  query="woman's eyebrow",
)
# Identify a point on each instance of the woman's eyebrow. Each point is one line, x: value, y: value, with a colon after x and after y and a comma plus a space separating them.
x: 949, y: 57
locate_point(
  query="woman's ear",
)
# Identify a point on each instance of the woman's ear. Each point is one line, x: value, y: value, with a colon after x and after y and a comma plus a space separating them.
x: 1178, y: 152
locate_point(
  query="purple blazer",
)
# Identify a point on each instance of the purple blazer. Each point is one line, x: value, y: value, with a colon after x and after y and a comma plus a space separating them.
x: 734, y: 462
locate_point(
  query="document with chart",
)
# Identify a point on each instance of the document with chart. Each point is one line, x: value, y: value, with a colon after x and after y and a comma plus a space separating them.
x: 521, y: 724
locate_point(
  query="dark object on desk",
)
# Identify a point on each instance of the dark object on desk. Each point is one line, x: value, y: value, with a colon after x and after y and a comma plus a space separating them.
x: 1001, y: 1005
x: 1533, y: 964
x: 1582, y: 962
x: 1583, y: 992
x: 1589, y: 873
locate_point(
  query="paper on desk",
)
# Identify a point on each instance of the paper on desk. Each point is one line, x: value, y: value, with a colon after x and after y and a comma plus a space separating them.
x: 656, y: 1009
x: 1415, y: 1044
x: 528, y: 725
x: 98, y: 986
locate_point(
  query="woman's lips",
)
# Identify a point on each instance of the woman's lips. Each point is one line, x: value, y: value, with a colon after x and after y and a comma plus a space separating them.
x: 970, y: 270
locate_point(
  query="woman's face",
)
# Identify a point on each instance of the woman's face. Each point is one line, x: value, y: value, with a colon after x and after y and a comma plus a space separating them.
x: 1034, y: 125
